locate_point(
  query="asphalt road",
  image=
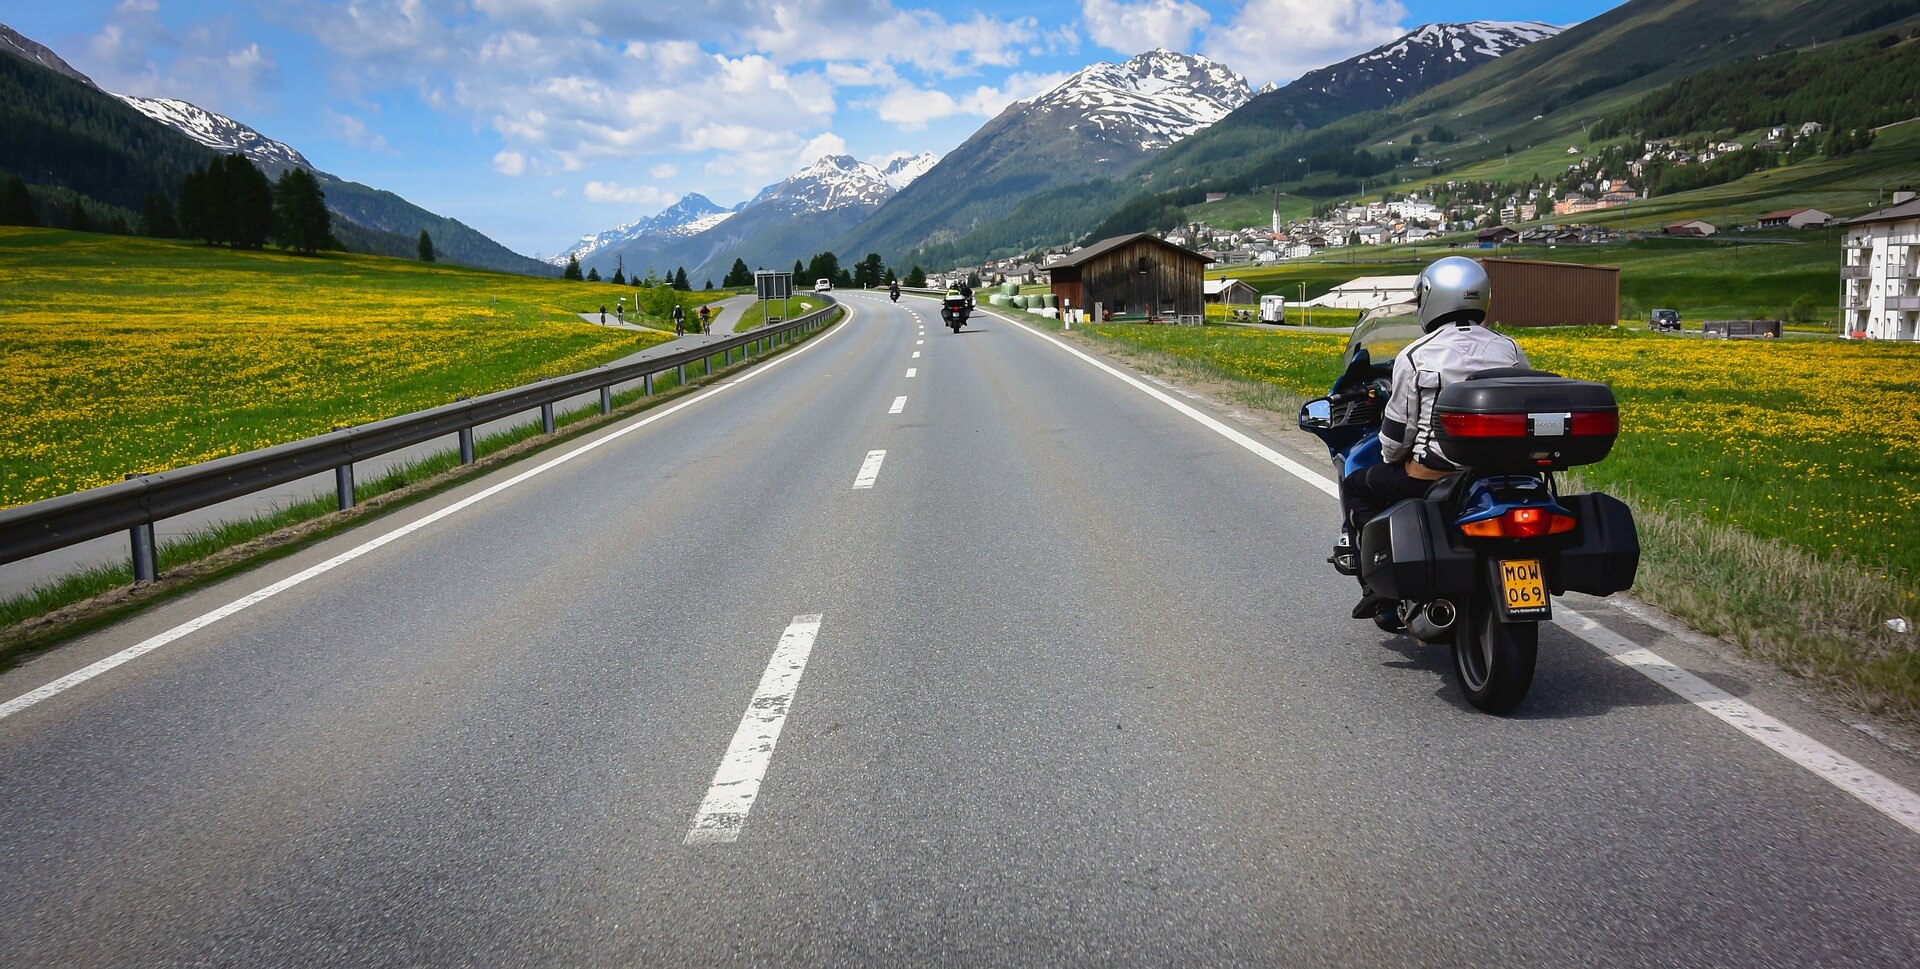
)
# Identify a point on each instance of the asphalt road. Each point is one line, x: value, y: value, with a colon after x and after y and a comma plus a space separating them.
x: 1066, y: 682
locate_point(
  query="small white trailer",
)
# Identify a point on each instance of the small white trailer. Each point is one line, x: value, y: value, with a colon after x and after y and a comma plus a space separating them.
x: 1273, y: 309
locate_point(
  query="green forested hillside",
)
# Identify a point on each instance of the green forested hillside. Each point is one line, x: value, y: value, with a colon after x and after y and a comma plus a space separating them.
x: 1848, y: 86
x: 59, y: 133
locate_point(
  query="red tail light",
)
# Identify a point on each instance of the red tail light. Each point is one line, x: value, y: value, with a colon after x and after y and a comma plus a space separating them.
x: 1484, y: 425
x: 1595, y: 424
x: 1529, y: 522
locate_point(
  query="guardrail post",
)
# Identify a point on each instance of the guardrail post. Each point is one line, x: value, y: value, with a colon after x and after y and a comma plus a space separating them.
x: 646, y: 385
x: 546, y: 418
x: 683, y: 375
x: 146, y: 563
x: 708, y: 361
x: 343, y: 486
x: 466, y: 445
x: 146, y: 558
x: 606, y: 399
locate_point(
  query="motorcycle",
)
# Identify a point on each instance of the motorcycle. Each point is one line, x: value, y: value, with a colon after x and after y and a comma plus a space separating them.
x: 1476, y: 562
x: 954, y: 311
x: 894, y: 294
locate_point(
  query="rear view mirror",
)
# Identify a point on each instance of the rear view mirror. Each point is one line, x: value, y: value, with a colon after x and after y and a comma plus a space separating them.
x: 1316, y: 414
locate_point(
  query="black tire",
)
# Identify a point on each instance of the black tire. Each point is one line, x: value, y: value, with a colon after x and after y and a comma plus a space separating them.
x: 956, y: 326
x: 1492, y: 659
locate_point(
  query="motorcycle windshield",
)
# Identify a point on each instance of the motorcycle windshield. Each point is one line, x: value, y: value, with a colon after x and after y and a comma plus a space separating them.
x: 1382, y: 331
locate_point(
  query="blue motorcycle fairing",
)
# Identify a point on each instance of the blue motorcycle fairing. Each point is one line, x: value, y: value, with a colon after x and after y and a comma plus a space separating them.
x: 1495, y: 496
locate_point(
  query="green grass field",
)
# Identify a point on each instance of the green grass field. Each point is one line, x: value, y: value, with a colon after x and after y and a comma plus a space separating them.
x: 129, y: 355
x: 754, y: 316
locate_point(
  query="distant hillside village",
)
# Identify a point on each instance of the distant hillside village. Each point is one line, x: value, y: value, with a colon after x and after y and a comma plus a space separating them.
x: 1496, y: 212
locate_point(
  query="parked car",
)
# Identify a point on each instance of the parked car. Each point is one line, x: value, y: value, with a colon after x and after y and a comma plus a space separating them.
x: 823, y: 285
x: 1663, y: 320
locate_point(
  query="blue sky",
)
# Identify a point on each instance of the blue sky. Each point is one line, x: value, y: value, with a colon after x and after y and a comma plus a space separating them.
x: 537, y: 121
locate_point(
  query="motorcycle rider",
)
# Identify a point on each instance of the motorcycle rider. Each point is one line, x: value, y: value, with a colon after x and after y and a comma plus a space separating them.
x: 1451, y: 296
x: 893, y: 292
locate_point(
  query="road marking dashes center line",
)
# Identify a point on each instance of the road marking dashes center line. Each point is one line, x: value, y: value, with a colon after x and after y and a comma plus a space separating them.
x: 899, y: 404
x: 870, y: 468
x: 912, y: 370
x: 737, y: 783
x: 916, y: 354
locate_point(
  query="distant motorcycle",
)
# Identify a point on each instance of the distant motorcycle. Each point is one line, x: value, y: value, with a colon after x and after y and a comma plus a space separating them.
x: 1476, y: 561
x: 955, y: 309
x: 893, y: 293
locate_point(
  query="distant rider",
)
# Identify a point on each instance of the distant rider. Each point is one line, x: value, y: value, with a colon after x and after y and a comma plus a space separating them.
x: 893, y: 292
x: 705, y: 314
x: 1452, y: 296
x: 679, y: 320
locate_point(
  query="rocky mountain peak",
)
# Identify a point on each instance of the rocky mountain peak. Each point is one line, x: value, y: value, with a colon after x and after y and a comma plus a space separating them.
x: 1150, y: 101
x: 1424, y: 56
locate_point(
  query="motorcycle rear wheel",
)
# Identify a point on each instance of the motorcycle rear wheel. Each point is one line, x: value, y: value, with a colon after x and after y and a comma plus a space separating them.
x: 956, y: 326
x: 1493, y: 660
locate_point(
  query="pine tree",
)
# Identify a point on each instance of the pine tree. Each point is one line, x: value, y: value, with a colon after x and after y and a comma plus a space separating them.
x: 619, y: 276
x: 573, y: 269
x: 76, y: 216
x: 680, y: 280
x: 739, y: 275
x: 593, y: 275
x: 243, y: 201
x: 709, y: 285
x: 891, y: 278
x: 424, y: 249
x: 195, y: 211
x: 300, y: 218
x: 16, y: 203
x: 800, y: 274
x: 916, y: 278
x: 156, y: 217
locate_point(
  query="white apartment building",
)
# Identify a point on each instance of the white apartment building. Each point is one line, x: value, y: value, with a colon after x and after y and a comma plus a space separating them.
x: 1880, y: 275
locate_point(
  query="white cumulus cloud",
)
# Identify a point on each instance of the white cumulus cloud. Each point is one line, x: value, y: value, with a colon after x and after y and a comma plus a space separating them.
x: 1279, y: 40
x: 510, y: 163
x: 1134, y: 27
x: 643, y: 195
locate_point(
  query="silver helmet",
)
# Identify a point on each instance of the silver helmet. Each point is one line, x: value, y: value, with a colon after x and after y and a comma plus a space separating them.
x: 1452, y: 290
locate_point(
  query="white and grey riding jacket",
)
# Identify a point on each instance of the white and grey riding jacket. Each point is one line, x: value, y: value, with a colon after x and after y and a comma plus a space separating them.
x: 1439, y: 359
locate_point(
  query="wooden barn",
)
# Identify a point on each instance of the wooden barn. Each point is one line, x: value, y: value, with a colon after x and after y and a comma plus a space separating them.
x: 1529, y: 292
x: 1137, y: 275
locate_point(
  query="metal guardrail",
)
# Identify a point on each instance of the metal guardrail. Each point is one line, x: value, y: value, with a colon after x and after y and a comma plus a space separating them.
x: 136, y: 504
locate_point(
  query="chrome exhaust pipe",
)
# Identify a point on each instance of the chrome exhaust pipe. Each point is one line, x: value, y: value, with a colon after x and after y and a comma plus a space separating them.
x: 1431, y: 622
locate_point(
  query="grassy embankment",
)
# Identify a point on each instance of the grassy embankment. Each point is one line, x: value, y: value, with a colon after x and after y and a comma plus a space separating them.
x: 1774, y: 483
x: 753, y: 315
x: 132, y: 355
x: 135, y: 355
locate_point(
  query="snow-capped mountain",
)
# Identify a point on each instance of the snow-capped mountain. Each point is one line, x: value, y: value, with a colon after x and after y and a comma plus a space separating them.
x: 902, y: 171
x: 1423, y: 58
x: 691, y: 215
x: 1099, y: 123
x: 838, y: 181
x: 217, y: 131
x: 33, y: 51
x: 1153, y: 100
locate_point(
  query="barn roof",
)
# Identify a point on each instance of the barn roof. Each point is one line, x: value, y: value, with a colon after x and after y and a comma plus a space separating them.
x: 1105, y: 246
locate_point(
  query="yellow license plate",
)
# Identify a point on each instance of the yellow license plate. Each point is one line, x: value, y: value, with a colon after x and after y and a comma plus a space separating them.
x: 1521, y: 584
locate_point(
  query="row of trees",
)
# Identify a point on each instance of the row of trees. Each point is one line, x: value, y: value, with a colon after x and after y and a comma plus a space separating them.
x: 676, y: 280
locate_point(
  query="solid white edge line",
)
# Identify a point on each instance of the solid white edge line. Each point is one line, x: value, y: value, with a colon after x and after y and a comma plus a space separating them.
x: 869, y: 469
x: 899, y: 404
x: 1864, y: 784
x: 736, y: 783
x: 145, y: 646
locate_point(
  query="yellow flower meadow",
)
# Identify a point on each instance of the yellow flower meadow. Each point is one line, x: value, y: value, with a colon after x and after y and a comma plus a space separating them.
x: 131, y: 355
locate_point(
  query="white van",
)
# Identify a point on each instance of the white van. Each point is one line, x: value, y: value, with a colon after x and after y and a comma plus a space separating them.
x: 823, y: 285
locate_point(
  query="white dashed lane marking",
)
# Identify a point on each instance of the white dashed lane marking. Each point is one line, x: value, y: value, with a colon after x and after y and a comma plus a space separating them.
x: 737, y: 783
x: 869, y: 469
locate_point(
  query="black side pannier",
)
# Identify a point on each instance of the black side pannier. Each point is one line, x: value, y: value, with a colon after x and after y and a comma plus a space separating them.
x: 1604, y: 551
x: 1535, y: 422
x: 1408, y: 553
